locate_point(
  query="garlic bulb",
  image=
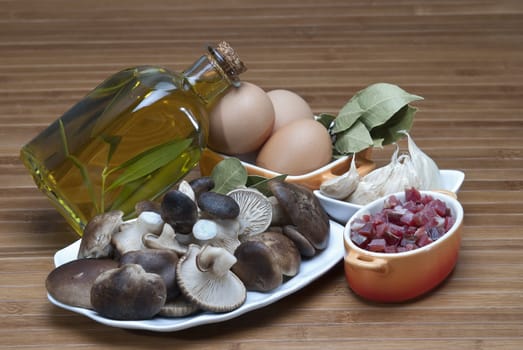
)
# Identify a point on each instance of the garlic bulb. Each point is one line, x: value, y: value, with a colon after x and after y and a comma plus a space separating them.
x: 370, y: 187
x: 341, y: 187
x: 426, y: 168
x: 403, y: 176
x: 365, y: 193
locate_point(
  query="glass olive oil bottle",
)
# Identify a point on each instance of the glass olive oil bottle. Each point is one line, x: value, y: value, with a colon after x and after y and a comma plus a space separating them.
x: 131, y: 138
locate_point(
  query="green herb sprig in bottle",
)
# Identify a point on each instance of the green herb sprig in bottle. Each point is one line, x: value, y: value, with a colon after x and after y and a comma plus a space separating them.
x: 131, y: 138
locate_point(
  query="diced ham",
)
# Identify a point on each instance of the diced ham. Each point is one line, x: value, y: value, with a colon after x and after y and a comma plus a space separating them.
x: 400, y: 227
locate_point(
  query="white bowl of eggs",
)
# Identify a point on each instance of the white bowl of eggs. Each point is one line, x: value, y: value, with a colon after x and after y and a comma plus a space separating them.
x: 274, y: 133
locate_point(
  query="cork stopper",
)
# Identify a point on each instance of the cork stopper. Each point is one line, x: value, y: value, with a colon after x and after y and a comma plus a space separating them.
x: 230, y: 60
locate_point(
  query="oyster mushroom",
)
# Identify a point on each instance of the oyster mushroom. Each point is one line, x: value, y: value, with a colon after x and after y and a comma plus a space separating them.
x: 97, y: 235
x: 217, y: 205
x: 147, y: 205
x: 202, y: 184
x: 130, y: 237
x: 218, y: 233
x: 166, y: 240
x: 205, y: 278
x: 186, y: 189
x: 71, y: 282
x: 279, y: 217
x: 178, y: 307
x: 305, y: 212
x: 257, y: 266
x: 159, y: 261
x: 128, y: 293
x: 284, y: 250
x: 179, y: 211
x: 255, y: 214
x: 305, y: 247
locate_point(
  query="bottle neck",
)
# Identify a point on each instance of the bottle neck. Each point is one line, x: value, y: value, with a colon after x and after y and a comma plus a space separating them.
x: 209, y: 78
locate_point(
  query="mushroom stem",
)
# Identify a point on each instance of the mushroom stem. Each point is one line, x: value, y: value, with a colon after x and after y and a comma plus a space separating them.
x: 149, y: 222
x: 214, y: 259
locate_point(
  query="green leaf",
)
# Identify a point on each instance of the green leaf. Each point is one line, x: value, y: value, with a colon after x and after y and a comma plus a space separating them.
x: 347, y: 116
x: 228, y: 175
x: 325, y: 119
x: 81, y: 168
x: 402, y: 120
x: 148, y: 161
x: 381, y: 101
x: 262, y: 183
x: 113, y: 142
x: 353, y: 140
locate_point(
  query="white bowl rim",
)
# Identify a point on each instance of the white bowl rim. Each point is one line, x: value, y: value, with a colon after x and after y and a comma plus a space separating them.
x: 454, y: 205
x: 313, y: 173
x: 444, y: 172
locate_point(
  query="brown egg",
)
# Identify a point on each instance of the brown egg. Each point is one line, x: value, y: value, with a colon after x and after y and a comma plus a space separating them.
x: 297, y: 148
x: 288, y: 107
x: 241, y: 121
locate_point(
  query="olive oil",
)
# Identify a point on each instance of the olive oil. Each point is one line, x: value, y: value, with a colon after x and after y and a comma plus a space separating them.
x: 131, y: 138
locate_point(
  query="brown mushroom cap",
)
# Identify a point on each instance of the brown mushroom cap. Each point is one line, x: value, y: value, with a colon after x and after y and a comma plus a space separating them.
x: 128, y: 293
x: 305, y: 247
x: 97, y: 235
x: 304, y: 210
x: 159, y: 261
x: 217, y: 205
x: 257, y: 266
x: 179, y: 211
x: 179, y: 307
x: 285, y: 251
x: 71, y: 282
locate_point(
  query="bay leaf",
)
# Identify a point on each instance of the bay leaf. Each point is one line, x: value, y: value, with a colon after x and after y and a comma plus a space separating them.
x: 402, y: 120
x: 228, y: 175
x: 148, y: 161
x: 381, y: 101
x: 262, y: 183
x: 353, y: 140
x: 348, y: 115
x: 325, y: 119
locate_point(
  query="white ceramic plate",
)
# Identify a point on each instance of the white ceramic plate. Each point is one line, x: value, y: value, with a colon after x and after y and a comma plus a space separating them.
x: 342, y: 211
x: 310, y: 270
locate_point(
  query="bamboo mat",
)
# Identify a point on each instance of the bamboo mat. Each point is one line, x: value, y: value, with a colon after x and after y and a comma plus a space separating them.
x: 464, y: 57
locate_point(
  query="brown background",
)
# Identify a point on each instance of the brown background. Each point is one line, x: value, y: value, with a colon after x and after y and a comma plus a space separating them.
x: 464, y: 57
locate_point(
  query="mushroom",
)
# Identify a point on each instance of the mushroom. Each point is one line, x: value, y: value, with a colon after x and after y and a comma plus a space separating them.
x: 305, y: 247
x: 304, y: 210
x: 186, y: 189
x: 166, y: 240
x: 179, y: 307
x: 128, y: 293
x: 257, y: 267
x: 255, y: 214
x: 159, y: 261
x: 205, y: 278
x: 285, y: 251
x: 71, y: 282
x: 217, y: 205
x: 130, y: 237
x: 97, y: 235
x: 179, y: 211
x: 218, y: 233
x: 279, y: 217
x: 147, y: 205
x: 202, y: 184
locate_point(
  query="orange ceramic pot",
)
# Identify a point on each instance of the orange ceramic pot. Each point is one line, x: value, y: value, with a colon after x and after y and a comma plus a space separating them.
x: 397, y: 277
x: 311, y: 180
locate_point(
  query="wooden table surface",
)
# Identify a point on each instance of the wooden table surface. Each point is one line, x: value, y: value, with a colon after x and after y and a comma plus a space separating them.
x: 465, y: 58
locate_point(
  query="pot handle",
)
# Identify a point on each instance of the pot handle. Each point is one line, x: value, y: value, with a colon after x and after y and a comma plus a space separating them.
x: 356, y: 260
